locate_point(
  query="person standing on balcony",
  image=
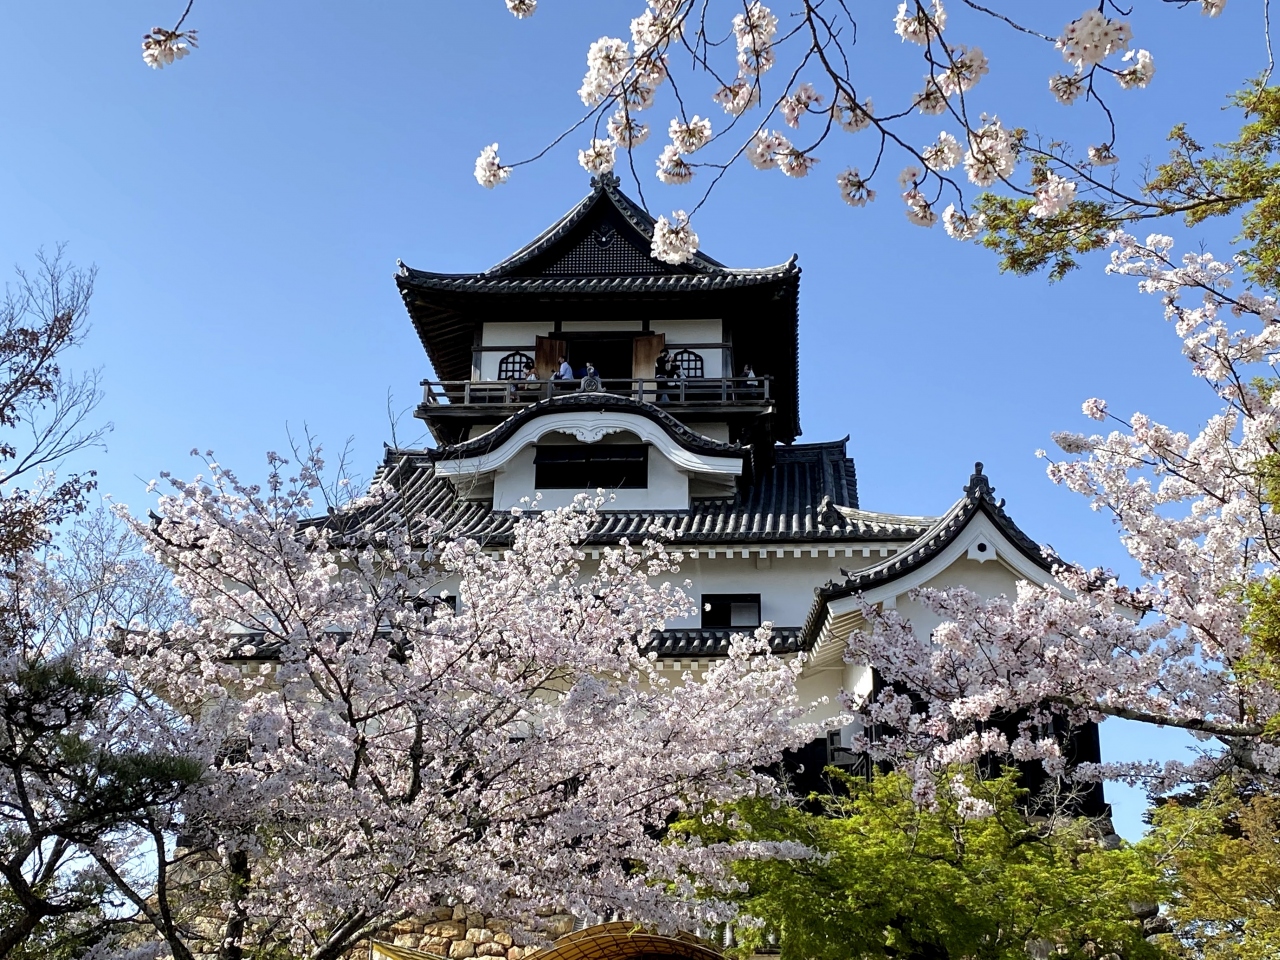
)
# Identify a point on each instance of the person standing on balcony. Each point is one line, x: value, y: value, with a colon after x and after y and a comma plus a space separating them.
x: 662, y: 371
x: 565, y: 372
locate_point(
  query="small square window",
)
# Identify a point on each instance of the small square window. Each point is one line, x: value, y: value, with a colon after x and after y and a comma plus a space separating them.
x: 731, y: 610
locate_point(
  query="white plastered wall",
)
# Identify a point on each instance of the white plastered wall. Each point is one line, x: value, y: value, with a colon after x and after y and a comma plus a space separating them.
x: 680, y: 332
x: 506, y: 334
x: 668, y: 487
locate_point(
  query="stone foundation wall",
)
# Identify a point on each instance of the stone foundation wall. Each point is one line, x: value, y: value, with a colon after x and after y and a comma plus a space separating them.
x: 458, y: 933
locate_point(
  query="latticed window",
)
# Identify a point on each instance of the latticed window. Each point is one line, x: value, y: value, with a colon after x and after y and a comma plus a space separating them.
x: 511, y: 367
x: 690, y: 362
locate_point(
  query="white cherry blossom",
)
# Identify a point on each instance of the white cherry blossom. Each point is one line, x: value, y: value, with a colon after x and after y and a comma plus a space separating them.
x: 961, y: 226
x: 796, y: 104
x: 990, y: 156
x: 853, y: 189
x: 1102, y: 155
x: 626, y: 130
x: 690, y: 137
x: 522, y: 8
x: 608, y: 61
x: 489, y: 169
x: 945, y: 154
x: 738, y: 97
x: 1066, y: 87
x: 931, y: 100
x: 1091, y: 39
x: 672, y: 167
x: 754, y: 30
x: 599, y: 157
x: 764, y: 148
x: 651, y: 29
x: 853, y: 116
x: 916, y: 23
x: 794, y: 163
x: 919, y: 211
x: 968, y: 66
x: 1140, y: 73
x: 161, y: 47
x: 674, y: 241
x: 1094, y: 409
x: 1053, y: 196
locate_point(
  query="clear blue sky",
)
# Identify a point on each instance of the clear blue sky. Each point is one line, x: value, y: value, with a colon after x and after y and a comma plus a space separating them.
x: 246, y: 208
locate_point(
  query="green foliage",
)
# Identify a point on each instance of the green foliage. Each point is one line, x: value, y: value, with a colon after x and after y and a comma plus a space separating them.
x: 1222, y: 852
x: 1240, y: 177
x: 897, y: 880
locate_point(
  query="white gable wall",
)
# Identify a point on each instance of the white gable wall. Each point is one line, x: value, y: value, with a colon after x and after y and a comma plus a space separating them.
x: 989, y: 579
x: 668, y: 486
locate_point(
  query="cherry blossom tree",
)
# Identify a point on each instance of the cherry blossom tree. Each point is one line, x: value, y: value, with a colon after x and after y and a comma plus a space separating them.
x: 779, y: 88
x: 370, y: 753
x: 1182, y: 648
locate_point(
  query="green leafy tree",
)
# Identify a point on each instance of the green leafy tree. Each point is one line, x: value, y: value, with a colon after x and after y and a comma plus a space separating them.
x: 1221, y: 852
x: 1197, y: 183
x: 962, y: 874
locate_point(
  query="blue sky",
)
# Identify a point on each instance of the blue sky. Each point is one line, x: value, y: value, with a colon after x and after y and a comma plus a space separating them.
x: 246, y: 208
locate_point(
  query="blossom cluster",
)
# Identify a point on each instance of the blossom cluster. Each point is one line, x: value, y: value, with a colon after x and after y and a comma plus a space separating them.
x: 161, y: 47
x: 674, y: 241
x: 1053, y: 196
x: 489, y: 169
x: 1091, y: 39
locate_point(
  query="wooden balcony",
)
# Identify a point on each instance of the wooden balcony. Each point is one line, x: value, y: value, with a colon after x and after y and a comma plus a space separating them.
x: 748, y: 394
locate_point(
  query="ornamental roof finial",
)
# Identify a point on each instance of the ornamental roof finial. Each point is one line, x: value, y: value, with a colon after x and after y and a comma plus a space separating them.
x: 603, y: 181
x: 979, y: 485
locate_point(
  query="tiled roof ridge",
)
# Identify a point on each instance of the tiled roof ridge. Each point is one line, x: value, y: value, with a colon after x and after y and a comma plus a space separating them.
x: 495, y: 437
x: 785, y: 504
x: 699, y: 267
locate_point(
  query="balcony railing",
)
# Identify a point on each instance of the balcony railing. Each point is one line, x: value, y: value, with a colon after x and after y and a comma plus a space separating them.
x: 750, y: 391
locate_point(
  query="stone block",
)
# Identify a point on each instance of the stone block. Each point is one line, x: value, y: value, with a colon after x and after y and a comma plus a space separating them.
x: 448, y: 928
x: 480, y: 935
x: 491, y: 950
x: 442, y: 913
x: 461, y: 950
x: 405, y: 940
x: 498, y: 925
x: 503, y: 939
x: 475, y: 920
x: 436, y: 945
x: 460, y: 912
x: 515, y: 953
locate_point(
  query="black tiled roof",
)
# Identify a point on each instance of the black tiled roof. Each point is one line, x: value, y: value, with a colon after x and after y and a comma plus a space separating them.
x: 979, y: 497
x: 714, y: 641
x: 808, y: 495
x: 464, y: 283
x: 531, y: 266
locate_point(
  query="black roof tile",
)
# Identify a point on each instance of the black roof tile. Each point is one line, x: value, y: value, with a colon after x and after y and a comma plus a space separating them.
x: 808, y: 495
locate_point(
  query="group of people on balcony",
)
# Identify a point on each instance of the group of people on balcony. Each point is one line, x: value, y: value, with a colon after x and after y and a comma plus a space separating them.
x: 668, y: 374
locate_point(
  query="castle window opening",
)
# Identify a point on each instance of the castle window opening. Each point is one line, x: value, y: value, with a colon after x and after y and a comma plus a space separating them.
x: 608, y: 466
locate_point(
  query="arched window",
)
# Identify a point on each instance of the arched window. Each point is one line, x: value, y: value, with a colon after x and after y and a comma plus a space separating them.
x: 511, y: 367
x: 690, y: 362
